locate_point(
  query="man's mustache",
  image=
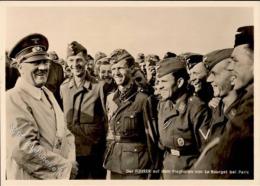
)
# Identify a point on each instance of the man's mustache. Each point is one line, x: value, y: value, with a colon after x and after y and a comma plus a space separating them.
x: 41, y: 72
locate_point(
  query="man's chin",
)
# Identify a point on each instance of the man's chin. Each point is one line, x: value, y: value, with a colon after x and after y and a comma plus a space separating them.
x: 39, y: 85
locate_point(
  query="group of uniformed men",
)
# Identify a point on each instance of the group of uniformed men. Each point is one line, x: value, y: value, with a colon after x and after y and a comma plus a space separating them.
x: 186, y: 116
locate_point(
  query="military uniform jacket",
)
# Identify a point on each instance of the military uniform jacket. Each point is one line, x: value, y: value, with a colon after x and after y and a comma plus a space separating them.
x: 179, y: 130
x: 39, y: 145
x: 219, y: 120
x: 132, y: 135
x: 233, y: 150
x: 84, y: 114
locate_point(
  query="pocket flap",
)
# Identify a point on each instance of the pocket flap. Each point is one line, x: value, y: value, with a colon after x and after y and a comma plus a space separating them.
x: 133, y: 148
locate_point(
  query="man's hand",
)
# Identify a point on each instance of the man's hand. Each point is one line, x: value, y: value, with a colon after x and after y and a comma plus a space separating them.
x: 151, y: 72
x: 214, y: 102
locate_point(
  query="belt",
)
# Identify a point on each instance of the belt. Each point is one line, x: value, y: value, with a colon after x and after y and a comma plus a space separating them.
x: 127, y: 139
x: 183, y: 152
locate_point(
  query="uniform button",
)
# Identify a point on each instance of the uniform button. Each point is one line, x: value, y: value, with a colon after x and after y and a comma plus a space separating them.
x: 117, y: 122
x: 135, y: 150
x: 132, y: 116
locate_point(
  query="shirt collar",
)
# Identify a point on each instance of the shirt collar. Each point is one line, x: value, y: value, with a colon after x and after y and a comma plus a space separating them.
x: 30, y: 89
x: 87, y: 83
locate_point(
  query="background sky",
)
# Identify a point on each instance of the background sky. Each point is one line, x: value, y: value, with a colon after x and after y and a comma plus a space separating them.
x: 137, y: 29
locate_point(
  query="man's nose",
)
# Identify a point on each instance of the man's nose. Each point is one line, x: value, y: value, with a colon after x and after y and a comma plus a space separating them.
x: 43, y: 66
x: 231, y: 65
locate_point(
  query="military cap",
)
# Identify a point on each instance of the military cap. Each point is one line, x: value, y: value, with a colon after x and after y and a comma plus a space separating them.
x: 213, y: 58
x: 169, y: 55
x: 245, y: 35
x: 90, y: 57
x: 99, y: 55
x: 140, y: 58
x: 170, y: 65
x: 74, y: 48
x: 104, y: 61
x: 53, y: 55
x: 120, y: 54
x: 192, y: 59
x: 30, y: 48
x: 152, y: 59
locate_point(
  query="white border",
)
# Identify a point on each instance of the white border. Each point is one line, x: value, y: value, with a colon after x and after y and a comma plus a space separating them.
x: 256, y: 5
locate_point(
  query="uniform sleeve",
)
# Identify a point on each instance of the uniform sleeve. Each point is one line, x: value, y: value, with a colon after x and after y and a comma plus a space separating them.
x: 200, y: 116
x: 152, y: 133
x: 26, y: 150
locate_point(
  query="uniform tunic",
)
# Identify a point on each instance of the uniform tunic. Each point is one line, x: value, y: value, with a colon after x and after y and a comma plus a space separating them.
x: 131, y: 136
x: 85, y: 117
x: 233, y: 150
x: 84, y: 114
x: 179, y: 132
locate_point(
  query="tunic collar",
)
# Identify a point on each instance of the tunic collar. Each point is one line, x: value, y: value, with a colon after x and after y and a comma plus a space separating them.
x: 30, y: 89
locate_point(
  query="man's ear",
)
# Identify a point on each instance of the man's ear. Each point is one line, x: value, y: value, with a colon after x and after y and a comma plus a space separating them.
x: 180, y: 82
x: 19, y: 67
x: 132, y: 70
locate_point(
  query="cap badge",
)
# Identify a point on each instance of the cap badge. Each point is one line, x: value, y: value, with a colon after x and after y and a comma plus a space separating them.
x: 180, y: 142
x: 35, y: 40
x: 37, y: 49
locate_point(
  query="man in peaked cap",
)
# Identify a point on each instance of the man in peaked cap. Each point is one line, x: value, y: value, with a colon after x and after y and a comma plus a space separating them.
x: 234, y: 149
x: 198, y: 76
x: 84, y: 110
x: 132, y: 138
x: 42, y: 146
x: 179, y: 118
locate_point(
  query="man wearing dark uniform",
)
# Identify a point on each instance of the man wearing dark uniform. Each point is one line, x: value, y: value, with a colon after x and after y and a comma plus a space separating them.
x: 180, y: 117
x: 233, y: 150
x: 132, y: 135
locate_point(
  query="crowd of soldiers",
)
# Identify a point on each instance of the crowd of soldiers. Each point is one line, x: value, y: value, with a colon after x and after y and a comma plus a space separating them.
x: 185, y: 116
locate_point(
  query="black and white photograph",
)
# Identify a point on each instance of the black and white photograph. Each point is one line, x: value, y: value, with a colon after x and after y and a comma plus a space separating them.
x: 105, y: 91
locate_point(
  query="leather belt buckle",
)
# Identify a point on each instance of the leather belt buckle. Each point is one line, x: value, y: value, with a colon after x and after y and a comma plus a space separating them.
x: 175, y: 152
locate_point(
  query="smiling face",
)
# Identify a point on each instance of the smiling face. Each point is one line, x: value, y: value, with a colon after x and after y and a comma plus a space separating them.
x: 221, y: 79
x: 198, y: 75
x: 167, y: 86
x: 105, y: 73
x: 35, y: 73
x: 77, y: 64
x: 121, y: 73
x: 242, y: 66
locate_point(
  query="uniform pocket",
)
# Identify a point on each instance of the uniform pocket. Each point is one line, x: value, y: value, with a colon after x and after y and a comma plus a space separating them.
x: 133, y: 157
x: 132, y: 121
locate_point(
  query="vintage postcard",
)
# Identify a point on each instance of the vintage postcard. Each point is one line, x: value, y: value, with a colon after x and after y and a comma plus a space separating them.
x: 136, y: 92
